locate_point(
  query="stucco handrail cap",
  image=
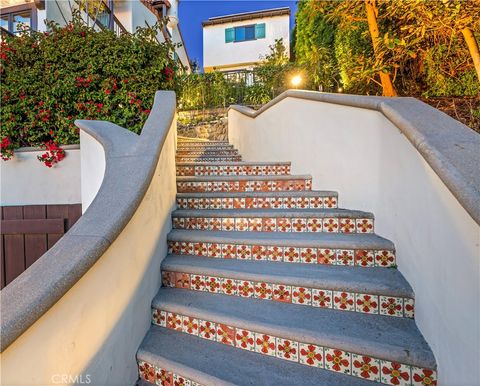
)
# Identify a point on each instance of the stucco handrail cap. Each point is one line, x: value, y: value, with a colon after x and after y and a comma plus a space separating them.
x: 130, y: 162
x: 450, y: 148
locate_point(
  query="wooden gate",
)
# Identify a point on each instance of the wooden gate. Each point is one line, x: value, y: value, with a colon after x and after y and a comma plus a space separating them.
x: 27, y: 232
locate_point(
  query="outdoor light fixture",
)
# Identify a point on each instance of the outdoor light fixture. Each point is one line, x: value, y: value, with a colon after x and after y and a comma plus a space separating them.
x: 296, y: 80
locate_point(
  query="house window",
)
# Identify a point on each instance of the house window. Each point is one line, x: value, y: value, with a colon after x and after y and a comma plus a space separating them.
x: 13, y: 17
x: 245, y: 33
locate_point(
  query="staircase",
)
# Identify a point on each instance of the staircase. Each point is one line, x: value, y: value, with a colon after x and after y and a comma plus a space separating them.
x: 268, y: 282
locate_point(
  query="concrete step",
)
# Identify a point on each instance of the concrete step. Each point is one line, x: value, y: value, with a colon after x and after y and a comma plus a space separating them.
x: 344, y: 341
x: 206, y: 152
x: 352, y: 289
x: 167, y: 354
x: 245, y: 200
x: 233, y: 168
x: 243, y: 183
x: 189, y: 146
x: 275, y: 220
x: 365, y: 250
x: 208, y: 159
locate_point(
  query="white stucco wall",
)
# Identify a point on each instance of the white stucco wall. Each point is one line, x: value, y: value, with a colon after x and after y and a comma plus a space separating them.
x: 218, y: 53
x: 363, y: 156
x: 27, y: 181
x: 92, y: 160
x: 91, y: 335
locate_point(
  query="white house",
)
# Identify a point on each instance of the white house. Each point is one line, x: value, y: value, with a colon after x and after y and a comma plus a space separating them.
x: 117, y: 15
x: 238, y: 42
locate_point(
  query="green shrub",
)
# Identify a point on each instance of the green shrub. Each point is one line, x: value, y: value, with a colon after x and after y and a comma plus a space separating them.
x: 50, y: 79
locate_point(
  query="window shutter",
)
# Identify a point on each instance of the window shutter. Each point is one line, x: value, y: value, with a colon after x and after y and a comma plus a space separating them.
x: 229, y: 35
x: 260, y: 31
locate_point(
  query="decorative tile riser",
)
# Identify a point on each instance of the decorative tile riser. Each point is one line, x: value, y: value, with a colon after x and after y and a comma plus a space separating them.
x: 233, y: 170
x: 305, y: 353
x: 244, y: 186
x: 206, y: 153
x: 281, y: 224
x: 314, y: 297
x: 205, y: 147
x: 208, y: 159
x: 163, y: 377
x: 258, y: 202
x: 306, y: 255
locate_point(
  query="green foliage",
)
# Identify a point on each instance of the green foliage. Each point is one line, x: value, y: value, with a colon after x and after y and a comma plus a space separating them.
x: 73, y: 72
x: 353, y: 52
x: 420, y: 45
x: 314, y: 45
x: 199, y: 91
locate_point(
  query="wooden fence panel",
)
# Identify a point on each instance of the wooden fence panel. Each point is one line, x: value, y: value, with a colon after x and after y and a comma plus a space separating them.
x: 27, y: 232
x: 14, y: 246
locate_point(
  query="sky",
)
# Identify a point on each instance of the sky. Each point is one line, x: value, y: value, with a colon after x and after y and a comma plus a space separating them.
x: 192, y: 12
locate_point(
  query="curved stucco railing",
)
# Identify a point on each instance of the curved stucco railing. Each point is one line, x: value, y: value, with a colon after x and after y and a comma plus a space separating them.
x: 131, y: 161
x: 417, y: 170
x: 449, y: 147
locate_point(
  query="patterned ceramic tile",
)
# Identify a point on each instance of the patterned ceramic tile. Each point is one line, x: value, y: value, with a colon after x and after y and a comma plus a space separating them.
x: 291, y: 255
x: 244, y: 252
x: 159, y: 317
x: 225, y: 334
x: 147, y: 371
x: 308, y: 255
x: 423, y: 377
x: 284, y: 225
x: 265, y: 344
x: 259, y: 252
x: 164, y: 377
x: 245, y: 288
x: 245, y: 339
x: 345, y: 257
x: 229, y: 251
x: 207, y: 330
x: 364, y: 225
x: 326, y: 256
x: 287, y: 349
x: 364, y: 258
x: 347, y: 225
x: 330, y: 225
x: 174, y: 321
x: 282, y: 293
x: 366, y: 367
x: 344, y: 301
x: 229, y: 286
x: 214, y: 250
x: 395, y: 374
x: 275, y: 253
x: 409, y: 307
x: 314, y: 225
x: 311, y: 355
x: 263, y: 290
x: 366, y: 303
x: 213, y: 284
x: 168, y: 279
x: 337, y: 360
x: 182, y: 280
x: 299, y: 225
x: 301, y: 295
x: 391, y: 306
x: 197, y: 282
x: 190, y: 325
x: 322, y: 298
x: 384, y: 258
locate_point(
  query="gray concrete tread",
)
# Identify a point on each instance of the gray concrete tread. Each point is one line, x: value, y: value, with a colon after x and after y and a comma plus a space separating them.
x: 213, y: 364
x: 294, y: 193
x: 375, y: 281
x: 236, y: 163
x: 267, y: 212
x: 383, y: 337
x: 243, y: 178
x: 290, y: 239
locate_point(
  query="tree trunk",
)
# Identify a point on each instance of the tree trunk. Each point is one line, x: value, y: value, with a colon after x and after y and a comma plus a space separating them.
x: 472, y: 45
x: 372, y: 11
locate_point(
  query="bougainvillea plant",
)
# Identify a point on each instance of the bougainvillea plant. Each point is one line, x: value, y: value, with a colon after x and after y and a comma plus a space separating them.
x: 73, y: 72
x: 53, y: 155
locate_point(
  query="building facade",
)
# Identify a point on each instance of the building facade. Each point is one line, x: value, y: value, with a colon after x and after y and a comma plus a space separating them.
x: 235, y: 43
x: 118, y: 15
